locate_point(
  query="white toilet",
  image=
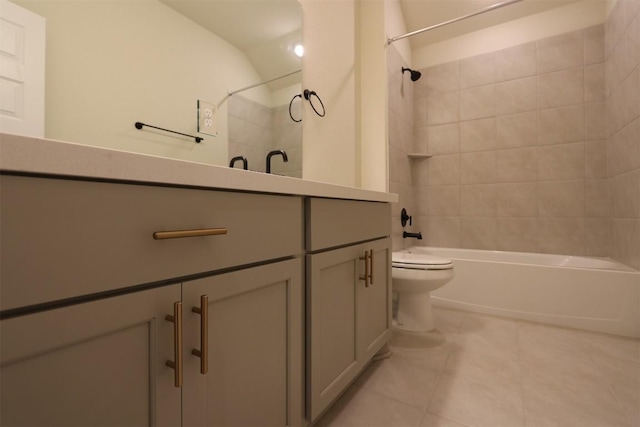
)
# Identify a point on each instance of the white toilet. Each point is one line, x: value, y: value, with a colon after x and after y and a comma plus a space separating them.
x: 414, y: 276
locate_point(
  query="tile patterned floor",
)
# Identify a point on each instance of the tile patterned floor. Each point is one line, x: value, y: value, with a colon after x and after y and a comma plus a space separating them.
x: 477, y: 370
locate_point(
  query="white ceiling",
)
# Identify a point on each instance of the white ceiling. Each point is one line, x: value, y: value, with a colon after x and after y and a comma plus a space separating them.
x: 420, y: 14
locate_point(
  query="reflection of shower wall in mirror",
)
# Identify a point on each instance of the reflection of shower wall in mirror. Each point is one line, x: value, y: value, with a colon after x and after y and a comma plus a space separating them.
x: 255, y: 129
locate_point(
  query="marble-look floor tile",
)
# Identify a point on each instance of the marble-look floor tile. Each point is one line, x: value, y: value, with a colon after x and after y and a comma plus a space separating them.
x: 405, y: 382
x: 362, y: 407
x: 488, y: 335
x: 553, y: 398
x: 431, y: 420
x: 477, y: 404
x: 478, y: 370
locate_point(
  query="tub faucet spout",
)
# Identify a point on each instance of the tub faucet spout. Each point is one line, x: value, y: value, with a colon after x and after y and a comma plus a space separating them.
x: 417, y: 235
x: 274, y: 153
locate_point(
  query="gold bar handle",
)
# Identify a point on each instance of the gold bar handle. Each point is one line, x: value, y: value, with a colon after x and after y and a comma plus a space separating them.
x: 163, y: 235
x: 367, y: 274
x: 176, y: 363
x: 371, y: 267
x: 203, y: 353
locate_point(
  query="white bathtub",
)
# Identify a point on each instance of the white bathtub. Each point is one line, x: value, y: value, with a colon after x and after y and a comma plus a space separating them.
x: 596, y: 294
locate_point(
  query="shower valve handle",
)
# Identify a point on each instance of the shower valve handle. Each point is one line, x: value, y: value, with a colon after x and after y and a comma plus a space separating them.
x: 404, y: 217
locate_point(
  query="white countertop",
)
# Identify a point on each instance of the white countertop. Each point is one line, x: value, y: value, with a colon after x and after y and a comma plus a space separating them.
x: 49, y: 157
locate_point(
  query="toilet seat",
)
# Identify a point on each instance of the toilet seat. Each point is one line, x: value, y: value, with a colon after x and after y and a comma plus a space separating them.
x: 420, y: 261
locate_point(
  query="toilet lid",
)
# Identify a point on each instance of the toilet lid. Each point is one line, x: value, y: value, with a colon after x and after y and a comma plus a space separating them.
x: 409, y: 260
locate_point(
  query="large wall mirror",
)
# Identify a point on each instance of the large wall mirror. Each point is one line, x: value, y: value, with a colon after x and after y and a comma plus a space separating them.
x: 112, y: 63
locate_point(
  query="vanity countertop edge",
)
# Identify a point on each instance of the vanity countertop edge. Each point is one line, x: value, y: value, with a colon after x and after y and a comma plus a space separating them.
x: 29, y: 155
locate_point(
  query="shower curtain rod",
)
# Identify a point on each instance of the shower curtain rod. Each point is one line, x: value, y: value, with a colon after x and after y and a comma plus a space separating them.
x: 451, y: 21
x: 263, y: 83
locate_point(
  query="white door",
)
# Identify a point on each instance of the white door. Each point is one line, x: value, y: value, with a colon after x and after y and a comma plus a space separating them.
x: 22, y: 62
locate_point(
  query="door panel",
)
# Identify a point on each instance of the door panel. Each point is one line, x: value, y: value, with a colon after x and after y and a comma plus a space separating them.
x: 331, y: 324
x: 253, y: 333
x: 374, y: 302
x: 92, y: 364
x: 22, y: 66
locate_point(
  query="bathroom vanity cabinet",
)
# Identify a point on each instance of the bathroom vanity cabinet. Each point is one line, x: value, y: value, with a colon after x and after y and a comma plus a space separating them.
x: 348, y: 294
x: 122, y: 274
x: 88, y: 330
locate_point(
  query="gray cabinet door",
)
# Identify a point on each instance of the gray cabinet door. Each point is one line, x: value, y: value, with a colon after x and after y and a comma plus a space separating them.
x: 332, y: 288
x: 254, y: 334
x: 101, y: 363
x: 348, y: 319
x: 374, y: 301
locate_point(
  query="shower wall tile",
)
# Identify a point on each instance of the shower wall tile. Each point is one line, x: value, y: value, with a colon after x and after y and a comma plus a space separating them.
x: 561, y: 162
x: 625, y: 240
x: 633, y: 40
x: 478, y: 200
x: 594, y: 83
x: 442, y: 232
x: 559, y: 199
x: 420, y: 139
x: 442, y: 78
x: 616, y: 66
x: 478, y: 168
x: 560, y: 125
x: 443, y: 170
x: 516, y: 96
x: 420, y: 112
x: 517, y: 130
x: 624, y: 149
x: 595, y: 159
x: 595, y: 121
x: 594, y: 45
x: 440, y: 201
x: 517, y: 165
x: 561, y: 235
x: 625, y: 194
x: 478, y: 233
x: 399, y: 166
x: 420, y: 172
x: 517, y: 200
x: 596, y: 198
x: 517, y: 234
x: 477, y: 71
x: 561, y: 52
x: 443, y: 108
x: 596, y: 237
x: 478, y: 135
x: 477, y: 103
x: 443, y: 139
x: 516, y: 62
x: 561, y: 88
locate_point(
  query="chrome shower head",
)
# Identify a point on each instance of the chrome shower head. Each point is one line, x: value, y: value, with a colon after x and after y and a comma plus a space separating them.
x: 415, y: 75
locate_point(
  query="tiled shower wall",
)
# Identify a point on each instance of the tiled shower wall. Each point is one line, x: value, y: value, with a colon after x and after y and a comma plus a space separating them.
x: 522, y: 156
x: 400, y: 116
x: 518, y: 144
x: 622, y: 48
x: 255, y: 129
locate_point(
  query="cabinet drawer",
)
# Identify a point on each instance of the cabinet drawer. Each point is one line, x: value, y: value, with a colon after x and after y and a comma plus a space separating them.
x: 64, y: 238
x: 333, y: 222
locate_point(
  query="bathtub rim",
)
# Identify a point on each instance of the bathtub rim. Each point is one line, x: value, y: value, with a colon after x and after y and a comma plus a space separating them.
x: 620, y: 267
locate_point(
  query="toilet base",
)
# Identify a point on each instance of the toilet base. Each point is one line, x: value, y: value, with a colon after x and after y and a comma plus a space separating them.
x: 415, y: 313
